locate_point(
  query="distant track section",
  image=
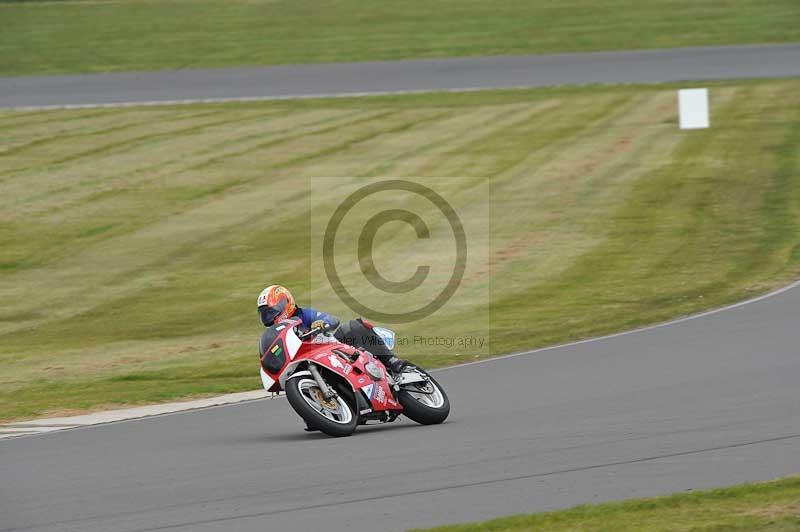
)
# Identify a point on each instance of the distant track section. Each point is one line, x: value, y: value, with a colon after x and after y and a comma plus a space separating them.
x: 392, y: 77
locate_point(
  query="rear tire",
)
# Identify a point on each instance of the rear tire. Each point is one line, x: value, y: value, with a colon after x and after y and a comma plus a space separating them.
x: 432, y: 411
x: 336, y: 417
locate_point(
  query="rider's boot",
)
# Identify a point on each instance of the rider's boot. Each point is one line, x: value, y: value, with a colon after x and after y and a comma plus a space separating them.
x: 395, y: 364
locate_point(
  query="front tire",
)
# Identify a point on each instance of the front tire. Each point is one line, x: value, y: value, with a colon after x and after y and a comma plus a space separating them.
x: 424, y: 402
x: 335, y: 416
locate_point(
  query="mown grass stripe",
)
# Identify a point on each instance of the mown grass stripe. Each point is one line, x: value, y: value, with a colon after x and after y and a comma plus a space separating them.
x: 100, y: 131
x: 360, y: 119
x: 467, y: 134
x: 338, y: 147
x: 108, y: 147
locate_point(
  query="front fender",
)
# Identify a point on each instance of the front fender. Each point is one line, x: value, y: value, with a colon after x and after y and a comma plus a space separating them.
x: 303, y: 373
x: 290, y: 371
x: 340, y: 369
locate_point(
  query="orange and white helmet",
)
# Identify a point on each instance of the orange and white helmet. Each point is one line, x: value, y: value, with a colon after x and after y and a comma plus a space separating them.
x: 275, y: 303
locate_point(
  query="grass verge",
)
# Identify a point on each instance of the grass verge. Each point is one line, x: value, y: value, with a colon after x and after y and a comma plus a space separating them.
x: 78, y: 36
x: 133, y: 241
x: 769, y: 506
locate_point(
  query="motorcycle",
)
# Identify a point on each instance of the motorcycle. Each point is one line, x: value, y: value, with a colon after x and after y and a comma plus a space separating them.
x: 336, y: 387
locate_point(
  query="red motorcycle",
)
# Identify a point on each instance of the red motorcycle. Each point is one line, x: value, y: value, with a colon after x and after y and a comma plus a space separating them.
x: 335, y: 387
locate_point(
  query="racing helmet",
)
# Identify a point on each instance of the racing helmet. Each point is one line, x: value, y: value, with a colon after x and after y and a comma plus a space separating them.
x: 275, y: 303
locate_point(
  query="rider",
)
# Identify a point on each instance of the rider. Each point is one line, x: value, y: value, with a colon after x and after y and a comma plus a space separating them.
x: 275, y: 303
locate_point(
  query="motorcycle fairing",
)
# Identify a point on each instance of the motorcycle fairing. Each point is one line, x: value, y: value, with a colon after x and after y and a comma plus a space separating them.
x: 270, y: 384
x: 283, y: 351
x: 278, y: 345
x: 377, y: 392
x: 375, y: 395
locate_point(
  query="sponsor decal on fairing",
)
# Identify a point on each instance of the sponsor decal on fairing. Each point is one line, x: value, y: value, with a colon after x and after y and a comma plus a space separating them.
x: 380, y: 395
x: 368, y: 389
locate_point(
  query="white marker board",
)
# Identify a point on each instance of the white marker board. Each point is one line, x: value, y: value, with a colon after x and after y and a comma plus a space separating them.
x: 693, y: 108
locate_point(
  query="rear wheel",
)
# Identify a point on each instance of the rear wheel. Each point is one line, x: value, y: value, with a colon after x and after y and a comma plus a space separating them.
x: 424, y: 402
x: 334, y: 416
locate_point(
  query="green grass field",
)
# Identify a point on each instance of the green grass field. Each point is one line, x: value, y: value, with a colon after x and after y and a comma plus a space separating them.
x: 768, y: 506
x: 100, y: 36
x: 134, y: 241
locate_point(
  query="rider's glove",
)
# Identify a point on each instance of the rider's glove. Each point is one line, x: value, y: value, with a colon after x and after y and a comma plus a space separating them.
x: 319, y: 324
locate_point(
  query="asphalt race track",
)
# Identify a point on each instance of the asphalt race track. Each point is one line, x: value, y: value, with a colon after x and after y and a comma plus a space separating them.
x: 705, y: 402
x: 680, y: 64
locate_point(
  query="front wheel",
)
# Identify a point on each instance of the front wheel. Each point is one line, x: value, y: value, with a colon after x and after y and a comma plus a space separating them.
x: 334, y: 416
x: 424, y: 402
